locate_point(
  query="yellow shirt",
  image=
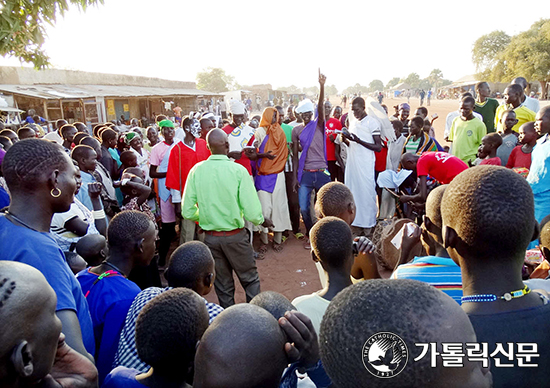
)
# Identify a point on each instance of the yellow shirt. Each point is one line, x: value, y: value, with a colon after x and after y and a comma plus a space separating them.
x: 523, y: 114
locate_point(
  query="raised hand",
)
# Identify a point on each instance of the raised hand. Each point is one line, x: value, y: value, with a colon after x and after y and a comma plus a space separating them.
x: 94, y: 189
x: 303, y: 346
x: 70, y: 369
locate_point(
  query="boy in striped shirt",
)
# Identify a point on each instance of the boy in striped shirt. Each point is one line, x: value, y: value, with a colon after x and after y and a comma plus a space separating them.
x: 437, y: 269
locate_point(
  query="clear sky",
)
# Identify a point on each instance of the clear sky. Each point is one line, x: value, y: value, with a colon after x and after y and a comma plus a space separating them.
x: 285, y: 42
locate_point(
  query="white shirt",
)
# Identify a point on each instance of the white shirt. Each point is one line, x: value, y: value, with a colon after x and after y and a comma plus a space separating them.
x: 531, y: 103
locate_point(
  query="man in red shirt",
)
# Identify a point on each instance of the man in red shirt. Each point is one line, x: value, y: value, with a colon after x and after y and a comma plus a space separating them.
x: 441, y: 166
x: 183, y: 157
x: 331, y: 126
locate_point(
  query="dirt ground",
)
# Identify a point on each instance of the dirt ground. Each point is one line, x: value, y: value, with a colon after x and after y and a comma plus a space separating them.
x: 292, y: 272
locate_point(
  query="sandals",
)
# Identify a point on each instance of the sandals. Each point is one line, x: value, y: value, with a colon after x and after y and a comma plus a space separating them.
x: 299, y: 236
x: 277, y: 247
x: 262, y: 251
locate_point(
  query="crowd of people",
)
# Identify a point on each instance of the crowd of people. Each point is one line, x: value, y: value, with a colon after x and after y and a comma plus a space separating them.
x: 432, y: 259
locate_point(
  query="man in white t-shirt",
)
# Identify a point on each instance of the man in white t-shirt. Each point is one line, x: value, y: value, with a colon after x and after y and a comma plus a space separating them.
x: 332, y: 246
x: 528, y: 102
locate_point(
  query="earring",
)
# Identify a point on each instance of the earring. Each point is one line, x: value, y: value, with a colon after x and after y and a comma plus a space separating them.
x: 55, y: 195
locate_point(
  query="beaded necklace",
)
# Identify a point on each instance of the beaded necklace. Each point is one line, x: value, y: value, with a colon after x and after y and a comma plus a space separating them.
x: 492, y: 297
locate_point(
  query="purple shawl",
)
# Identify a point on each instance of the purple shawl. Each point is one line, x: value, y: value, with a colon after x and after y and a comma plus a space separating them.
x: 265, y: 182
x: 306, y: 137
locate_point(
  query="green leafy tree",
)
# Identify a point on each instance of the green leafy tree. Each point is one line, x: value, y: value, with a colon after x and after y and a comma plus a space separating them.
x: 500, y: 58
x: 435, y: 78
x: 425, y: 84
x: 356, y: 89
x: 375, y: 85
x: 331, y: 90
x: 487, y: 55
x: 215, y: 80
x: 412, y: 79
x: 312, y: 91
x: 22, y: 26
x: 292, y: 89
x: 394, y: 81
x: 528, y: 55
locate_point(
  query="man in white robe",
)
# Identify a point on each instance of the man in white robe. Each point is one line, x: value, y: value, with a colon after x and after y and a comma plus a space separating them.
x: 364, y: 139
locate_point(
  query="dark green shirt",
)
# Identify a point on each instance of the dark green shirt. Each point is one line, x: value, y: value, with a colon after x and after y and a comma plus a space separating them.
x: 487, y: 109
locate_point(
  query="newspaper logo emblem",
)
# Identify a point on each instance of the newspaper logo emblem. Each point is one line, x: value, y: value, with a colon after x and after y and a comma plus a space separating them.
x: 385, y: 355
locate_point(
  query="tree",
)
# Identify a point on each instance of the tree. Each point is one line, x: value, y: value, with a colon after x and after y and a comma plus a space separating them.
x: 486, y: 54
x: 312, y: 91
x: 394, y: 81
x: 412, y: 79
x: 22, y: 31
x: 528, y: 54
x: 425, y: 84
x: 356, y: 89
x: 501, y: 58
x: 376, y: 85
x: 214, y: 80
x: 435, y: 77
x: 292, y: 89
x: 331, y: 90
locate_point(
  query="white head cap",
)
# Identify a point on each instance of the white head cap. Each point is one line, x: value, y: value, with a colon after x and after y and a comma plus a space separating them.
x: 305, y: 106
x: 236, y: 107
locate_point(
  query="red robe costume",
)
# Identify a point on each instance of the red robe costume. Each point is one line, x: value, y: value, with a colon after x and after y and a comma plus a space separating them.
x: 181, y: 161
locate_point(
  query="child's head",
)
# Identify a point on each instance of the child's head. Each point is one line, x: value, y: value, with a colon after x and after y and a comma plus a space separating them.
x: 79, y: 136
x: 427, y: 126
x: 432, y: 219
x: 417, y: 123
x: 276, y: 304
x: 489, y: 145
x: 168, y: 329
x: 542, y: 121
x: 85, y: 157
x: 332, y: 244
x: 252, y: 356
x: 109, y: 138
x: 422, y: 112
x: 477, y: 222
x: 527, y: 133
x: 191, y: 266
x: 25, y: 133
x: 336, y: 200
x: 414, y: 312
x: 92, y: 248
x: 128, y: 159
x: 467, y: 106
x: 135, y: 172
x: 30, y: 327
x: 67, y: 132
x: 75, y: 261
x: 131, y: 234
x: 397, y: 127
x: 508, y: 119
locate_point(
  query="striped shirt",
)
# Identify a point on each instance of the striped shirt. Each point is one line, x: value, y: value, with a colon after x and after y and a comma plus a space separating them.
x: 126, y: 354
x: 441, y: 272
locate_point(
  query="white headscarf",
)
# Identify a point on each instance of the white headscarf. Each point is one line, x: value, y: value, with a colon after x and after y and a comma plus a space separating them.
x: 305, y: 106
x: 236, y: 107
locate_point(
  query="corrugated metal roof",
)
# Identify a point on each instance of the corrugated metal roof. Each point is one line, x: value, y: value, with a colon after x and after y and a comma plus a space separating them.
x: 85, y: 91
